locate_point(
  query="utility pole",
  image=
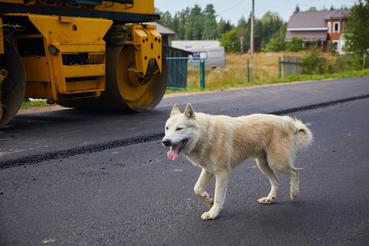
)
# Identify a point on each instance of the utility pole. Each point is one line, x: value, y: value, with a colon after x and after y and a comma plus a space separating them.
x: 252, y: 30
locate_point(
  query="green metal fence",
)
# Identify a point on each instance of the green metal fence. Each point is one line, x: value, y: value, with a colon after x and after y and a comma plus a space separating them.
x: 177, y: 72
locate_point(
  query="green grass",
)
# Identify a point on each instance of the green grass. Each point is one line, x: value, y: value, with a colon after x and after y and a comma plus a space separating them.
x: 38, y: 103
x: 262, y: 81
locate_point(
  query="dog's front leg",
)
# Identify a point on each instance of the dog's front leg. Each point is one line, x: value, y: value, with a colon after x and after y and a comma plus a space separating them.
x: 220, y: 192
x: 202, y: 182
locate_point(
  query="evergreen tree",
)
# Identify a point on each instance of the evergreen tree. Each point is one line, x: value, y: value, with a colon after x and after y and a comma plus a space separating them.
x: 175, y: 27
x: 167, y: 19
x: 242, y: 23
x: 297, y: 9
x: 195, y: 24
x: 210, y: 27
x: 223, y: 27
x: 183, y: 16
x: 271, y: 23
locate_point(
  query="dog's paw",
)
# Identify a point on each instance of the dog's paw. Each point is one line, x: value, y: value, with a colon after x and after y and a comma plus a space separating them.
x: 293, y: 193
x: 208, y: 215
x: 266, y: 200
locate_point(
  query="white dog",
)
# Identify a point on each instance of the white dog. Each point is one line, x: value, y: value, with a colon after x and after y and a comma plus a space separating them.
x: 218, y: 144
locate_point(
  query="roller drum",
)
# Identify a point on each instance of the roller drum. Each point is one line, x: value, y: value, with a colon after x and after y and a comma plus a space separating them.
x: 14, y: 85
x: 122, y: 91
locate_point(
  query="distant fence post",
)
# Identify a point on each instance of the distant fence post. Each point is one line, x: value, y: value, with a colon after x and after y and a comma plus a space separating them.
x: 291, y: 65
x: 364, y: 58
x: 248, y: 71
x: 202, y: 73
x: 280, y: 67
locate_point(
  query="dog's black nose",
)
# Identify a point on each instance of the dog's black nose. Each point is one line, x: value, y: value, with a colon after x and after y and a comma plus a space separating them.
x: 167, y: 143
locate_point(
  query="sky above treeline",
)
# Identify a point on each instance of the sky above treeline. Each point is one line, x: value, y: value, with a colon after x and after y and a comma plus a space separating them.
x: 233, y: 9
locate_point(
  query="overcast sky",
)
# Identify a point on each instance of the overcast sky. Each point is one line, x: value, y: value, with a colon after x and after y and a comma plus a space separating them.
x: 233, y: 9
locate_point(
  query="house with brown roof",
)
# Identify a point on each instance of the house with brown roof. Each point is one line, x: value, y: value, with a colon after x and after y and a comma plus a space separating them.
x: 319, y: 27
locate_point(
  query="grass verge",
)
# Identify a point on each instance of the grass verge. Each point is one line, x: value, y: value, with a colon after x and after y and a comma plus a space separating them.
x: 263, y: 81
x: 34, y: 103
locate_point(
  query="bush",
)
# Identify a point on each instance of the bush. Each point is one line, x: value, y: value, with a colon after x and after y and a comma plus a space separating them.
x: 348, y: 62
x: 312, y: 62
x: 295, y: 44
x: 275, y: 45
x: 230, y: 41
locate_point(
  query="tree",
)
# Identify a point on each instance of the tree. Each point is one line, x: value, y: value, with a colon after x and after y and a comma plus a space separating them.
x: 175, y: 27
x: 210, y: 25
x: 295, y: 44
x: 271, y: 23
x: 356, y: 34
x: 297, y: 9
x: 231, y: 41
x: 276, y: 45
x: 312, y: 9
x: 167, y: 19
x: 223, y: 27
x: 183, y: 16
x: 242, y: 23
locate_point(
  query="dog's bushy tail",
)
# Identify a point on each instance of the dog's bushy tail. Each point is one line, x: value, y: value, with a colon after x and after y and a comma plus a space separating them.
x: 303, y: 135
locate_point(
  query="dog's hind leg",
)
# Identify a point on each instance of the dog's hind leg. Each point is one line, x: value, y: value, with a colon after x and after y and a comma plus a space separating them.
x: 274, y: 181
x: 201, y: 183
x: 294, y: 189
x: 220, y: 192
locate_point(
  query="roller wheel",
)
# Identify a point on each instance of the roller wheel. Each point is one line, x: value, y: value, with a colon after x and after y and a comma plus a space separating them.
x: 14, y: 85
x: 123, y: 89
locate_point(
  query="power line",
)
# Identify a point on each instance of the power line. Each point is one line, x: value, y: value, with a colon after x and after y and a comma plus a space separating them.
x: 232, y: 7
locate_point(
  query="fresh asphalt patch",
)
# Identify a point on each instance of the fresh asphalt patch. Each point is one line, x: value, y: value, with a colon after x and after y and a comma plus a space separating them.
x: 60, y: 154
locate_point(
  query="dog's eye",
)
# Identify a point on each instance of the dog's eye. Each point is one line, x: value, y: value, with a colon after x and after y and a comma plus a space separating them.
x: 179, y: 128
x: 166, y: 128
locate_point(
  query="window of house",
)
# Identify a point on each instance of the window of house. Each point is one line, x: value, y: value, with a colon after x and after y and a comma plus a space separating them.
x: 336, y: 27
x: 329, y: 27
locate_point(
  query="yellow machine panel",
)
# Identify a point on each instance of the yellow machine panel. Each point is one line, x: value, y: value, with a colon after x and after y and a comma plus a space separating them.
x: 144, y: 7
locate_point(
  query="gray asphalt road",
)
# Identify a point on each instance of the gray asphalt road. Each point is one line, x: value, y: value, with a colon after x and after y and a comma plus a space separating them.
x: 34, y: 137
x: 133, y: 195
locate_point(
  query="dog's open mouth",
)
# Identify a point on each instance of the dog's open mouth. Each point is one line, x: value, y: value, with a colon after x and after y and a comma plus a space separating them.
x: 175, y: 149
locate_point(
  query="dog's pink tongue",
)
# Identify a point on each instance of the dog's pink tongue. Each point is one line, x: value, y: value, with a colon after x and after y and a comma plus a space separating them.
x: 173, y: 153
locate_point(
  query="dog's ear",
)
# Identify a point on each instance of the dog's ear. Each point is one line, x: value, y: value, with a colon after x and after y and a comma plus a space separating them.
x: 175, y: 110
x: 189, y: 112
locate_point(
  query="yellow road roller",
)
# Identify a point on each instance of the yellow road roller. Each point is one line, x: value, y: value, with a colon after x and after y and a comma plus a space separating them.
x: 88, y: 54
